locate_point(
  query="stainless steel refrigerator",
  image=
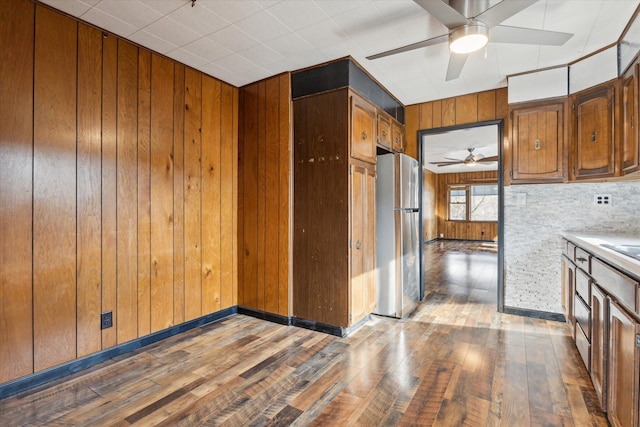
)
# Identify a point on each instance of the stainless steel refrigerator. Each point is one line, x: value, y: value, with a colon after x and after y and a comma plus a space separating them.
x: 397, y: 228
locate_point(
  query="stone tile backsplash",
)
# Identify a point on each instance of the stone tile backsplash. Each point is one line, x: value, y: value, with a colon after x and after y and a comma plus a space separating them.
x: 534, y: 217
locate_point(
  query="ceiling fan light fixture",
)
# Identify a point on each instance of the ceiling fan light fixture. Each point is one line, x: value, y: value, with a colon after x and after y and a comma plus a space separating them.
x: 468, y: 38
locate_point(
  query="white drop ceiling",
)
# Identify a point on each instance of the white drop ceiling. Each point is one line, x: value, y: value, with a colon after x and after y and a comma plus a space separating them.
x: 443, y: 146
x: 242, y: 41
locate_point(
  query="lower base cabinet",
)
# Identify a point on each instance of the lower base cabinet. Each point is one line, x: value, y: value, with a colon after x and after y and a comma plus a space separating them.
x: 599, y: 340
x: 624, y: 368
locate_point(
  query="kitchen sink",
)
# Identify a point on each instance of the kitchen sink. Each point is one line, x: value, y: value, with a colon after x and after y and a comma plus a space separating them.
x: 632, y: 251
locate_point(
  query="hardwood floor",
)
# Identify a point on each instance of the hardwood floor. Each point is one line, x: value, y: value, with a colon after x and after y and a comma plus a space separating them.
x: 453, y: 362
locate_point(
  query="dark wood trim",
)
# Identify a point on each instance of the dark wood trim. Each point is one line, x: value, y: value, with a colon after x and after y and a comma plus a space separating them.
x: 535, y: 314
x: 338, y: 331
x: 259, y: 314
x: 39, y: 378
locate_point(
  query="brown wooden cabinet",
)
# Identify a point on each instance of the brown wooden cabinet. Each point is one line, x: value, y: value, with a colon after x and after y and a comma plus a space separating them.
x: 362, y: 243
x: 363, y: 129
x: 397, y: 136
x: 593, y: 141
x: 599, y: 340
x: 334, y: 209
x: 384, y: 131
x: 568, y: 290
x: 537, y: 149
x: 624, y: 367
x: 630, y: 153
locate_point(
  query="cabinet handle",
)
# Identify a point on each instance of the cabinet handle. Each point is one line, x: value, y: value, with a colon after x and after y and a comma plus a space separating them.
x: 537, y: 144
x: 581, y: 259
x: 384, y: 133
x: 358, y: 244
x: 364, y: 135
x: 594, y: 136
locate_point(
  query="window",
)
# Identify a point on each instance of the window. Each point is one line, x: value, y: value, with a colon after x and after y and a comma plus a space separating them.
x: 457, y: 203
x: 473, y: 202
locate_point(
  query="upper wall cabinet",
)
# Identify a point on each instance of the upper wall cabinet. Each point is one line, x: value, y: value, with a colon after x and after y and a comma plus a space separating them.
x: 397, y: 137
x: 363, y: 130
x: 384, y: 131
x: 630, y: 161
x: 538, y: 143
x: 593, y: 150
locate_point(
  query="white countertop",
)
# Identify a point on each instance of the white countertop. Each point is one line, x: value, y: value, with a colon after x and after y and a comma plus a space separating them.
x: 593, y: 243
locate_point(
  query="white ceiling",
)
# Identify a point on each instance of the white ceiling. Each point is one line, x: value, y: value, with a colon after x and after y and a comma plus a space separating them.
x: 242, y: 41
x: 440, y: 147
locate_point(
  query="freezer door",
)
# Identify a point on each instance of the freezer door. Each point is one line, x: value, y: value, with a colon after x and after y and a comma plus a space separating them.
x: 407, y: 179
x: 409, y: 263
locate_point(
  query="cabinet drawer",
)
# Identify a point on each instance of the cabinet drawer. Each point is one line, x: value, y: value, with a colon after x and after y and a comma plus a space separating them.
x: 582, y: 314
x: 571, y: 251
x: 584, y: 348
x: 620, y: 287
x: 583, y: 259
x: 583, y: 285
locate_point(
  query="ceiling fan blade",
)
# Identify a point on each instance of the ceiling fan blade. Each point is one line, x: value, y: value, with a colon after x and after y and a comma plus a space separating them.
x: 519, y: 35
x: 445, y: 163
x: 456, y: 62
x: 502, y: 11
x: 429, y: 42
x: 488, y: 159
x: 444, y: 13
x: 455, y: 160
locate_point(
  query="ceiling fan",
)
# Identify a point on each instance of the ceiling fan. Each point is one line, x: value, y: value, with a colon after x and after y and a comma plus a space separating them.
x: 472, y: 24
x: 470, y: 160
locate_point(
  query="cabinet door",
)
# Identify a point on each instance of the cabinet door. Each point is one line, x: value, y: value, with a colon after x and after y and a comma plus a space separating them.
x: 568, y: 289
x: 363, y: 250
x: 538, y: 144
x: 593, y: 149
x: 363, y: 128
x: 624, y: 366
x: 370, y: 241
x: 599, y: 339
x: 384, y: 131
x: 397, y: 131
x: 630, y: 152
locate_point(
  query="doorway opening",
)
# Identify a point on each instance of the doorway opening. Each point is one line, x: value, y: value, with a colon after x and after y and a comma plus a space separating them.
x: 466, y: 162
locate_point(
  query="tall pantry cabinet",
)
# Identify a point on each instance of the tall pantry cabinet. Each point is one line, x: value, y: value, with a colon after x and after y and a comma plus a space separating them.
x: 334, y: 208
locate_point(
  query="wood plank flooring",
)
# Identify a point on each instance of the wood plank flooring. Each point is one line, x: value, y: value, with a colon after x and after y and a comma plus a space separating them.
x: 454, y: 362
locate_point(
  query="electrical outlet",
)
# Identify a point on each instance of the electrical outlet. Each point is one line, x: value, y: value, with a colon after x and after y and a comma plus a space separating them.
x: 106, y: 320
x: 602, y: 199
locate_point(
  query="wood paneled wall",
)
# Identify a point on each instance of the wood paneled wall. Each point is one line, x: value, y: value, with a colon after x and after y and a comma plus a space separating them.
x: 471, y: 108
x: 429, y: 201
x: 463, y: 230
x: 118, y: 174
x: 264, y: 195
x: 465, y: 109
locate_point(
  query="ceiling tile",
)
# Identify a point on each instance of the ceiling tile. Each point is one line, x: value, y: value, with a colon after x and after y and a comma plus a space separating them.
x: 324, y: 33
x: 170, y: 29
x: 234, y: 39
x: 232, y: 10
x: 290, y: 45
x: 199, y: 19
x: 296, y: 14
x: 263, y: 26
x: 187, y: 58
x: 334, y: 8
x: 109, y: 22
x: 208, y: 48
x: 152, y: 42
x: 72, y: 7
x: 133, y: 12
x: 165, y: 7
x: 262, y: 54
x: 236, y: 62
